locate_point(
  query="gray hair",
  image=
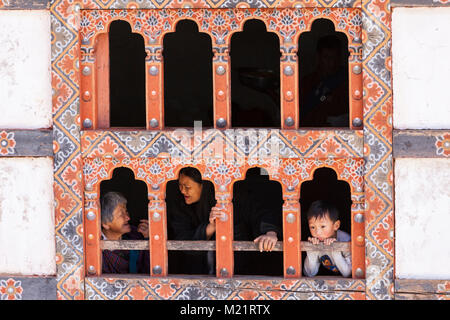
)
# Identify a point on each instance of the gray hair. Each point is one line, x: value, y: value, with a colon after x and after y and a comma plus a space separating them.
x: 109, y: 203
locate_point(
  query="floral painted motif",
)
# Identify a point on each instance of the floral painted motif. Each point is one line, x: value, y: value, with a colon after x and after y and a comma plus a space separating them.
x: 11, y: 289
x: 7, y: 143
x: 443, y: 145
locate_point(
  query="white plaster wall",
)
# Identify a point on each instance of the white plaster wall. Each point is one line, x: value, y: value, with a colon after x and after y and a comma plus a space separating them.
x: 421, y: 68
x: 27, y: 231
x: 25, y: 80
x: 422, y: 218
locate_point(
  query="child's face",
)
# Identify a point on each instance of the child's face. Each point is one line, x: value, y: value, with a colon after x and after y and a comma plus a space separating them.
x: 323, y: 228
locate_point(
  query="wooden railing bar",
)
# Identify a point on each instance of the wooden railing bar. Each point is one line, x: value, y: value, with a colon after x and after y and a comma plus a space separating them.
x: 211, y: 245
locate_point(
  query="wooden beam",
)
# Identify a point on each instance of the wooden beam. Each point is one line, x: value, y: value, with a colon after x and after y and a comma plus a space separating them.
x: 419, y: 143
x: 211, y: 245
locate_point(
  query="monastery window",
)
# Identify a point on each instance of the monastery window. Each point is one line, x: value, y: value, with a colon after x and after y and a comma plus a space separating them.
x: 257, y: 209
x: 188, y: 85
x: 325, y: 186
x: 255, y: 76
x: 135, y: 193
x: 127, y: 76
x: 323, y: 76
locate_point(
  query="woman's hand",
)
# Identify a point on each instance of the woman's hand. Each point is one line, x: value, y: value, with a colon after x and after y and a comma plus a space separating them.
x: 143, y: 228
x: 215, y: 213
x: 267, y: 241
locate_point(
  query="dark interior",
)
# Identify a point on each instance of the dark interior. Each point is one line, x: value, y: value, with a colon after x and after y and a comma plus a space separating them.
x: 127, y: 76
x: 188, y: 83
x: 323, y: 76
x: 253, y: 196
x: 255, y: 76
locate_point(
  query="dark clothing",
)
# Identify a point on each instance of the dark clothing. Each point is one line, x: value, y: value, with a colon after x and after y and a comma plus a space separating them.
x: 257, y: 209
x: 189, y: 222
x: 127, y: 261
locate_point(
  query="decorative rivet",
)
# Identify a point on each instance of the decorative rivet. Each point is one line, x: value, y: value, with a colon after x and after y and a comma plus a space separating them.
x: 224, y: 272
x: 289, y: 121
x: 357, y: 69
x: 220, y: 70
x: 155, y: 187
x: 10, y: 290
x: 288, y: 71
x: 156, y: 216
x: 157, y: 269
x: 223, y: 238
x: 360, y: 238
x: 87, y: 123
x: 154, y: 123
x: 91, y: 269
x: 359, y: 273
x: 90, y: 215
x: 357, y: 40
x: 357, y: 94
x: 220, y: 93
x: 153, y: 93
x: 290, y: 270
x: 4, y: 143
x: 86, y: 96
x: 154, y: 70
x: 357, y: 122
x: 288, y: 94
x: 187, y: 6
x: 86, y: 71
x: 290, y: 239
x: 290, y: 188
x: 290, y: 218
x: 77, y: 7
x: 156, y: 237
x: 90, y: 236
x: 359, y: 218
x: 221, y: 123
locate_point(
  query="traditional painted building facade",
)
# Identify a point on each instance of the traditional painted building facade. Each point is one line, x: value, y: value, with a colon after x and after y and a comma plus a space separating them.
x: 57, y: 145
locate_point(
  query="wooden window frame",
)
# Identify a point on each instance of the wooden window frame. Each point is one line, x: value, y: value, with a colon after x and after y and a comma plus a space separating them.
x: 94, y: 106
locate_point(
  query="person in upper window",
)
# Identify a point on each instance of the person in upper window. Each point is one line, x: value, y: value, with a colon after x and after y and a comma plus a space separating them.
x: 257, y: 212
x: 323, y: 221
x: 324, y: 93
x: 115, y: 226
x: 191, y: 215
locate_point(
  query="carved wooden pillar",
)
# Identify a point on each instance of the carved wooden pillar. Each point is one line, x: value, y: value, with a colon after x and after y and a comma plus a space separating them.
x: 355, y: 83
x: 224, y: 235
x: 358, y: 233
x: 222, y: 90
x: 92, y: 226
x: 291, y: 236
x: 289, y: 90
x: 158, y: 234
x: 155, y: 88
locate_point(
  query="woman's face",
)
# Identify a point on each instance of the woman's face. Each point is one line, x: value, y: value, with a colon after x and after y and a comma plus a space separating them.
x: 190, y: 189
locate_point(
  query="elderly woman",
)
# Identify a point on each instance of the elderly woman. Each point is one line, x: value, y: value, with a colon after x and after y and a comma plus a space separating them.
x: 191, y: 215
x: 115, y: 226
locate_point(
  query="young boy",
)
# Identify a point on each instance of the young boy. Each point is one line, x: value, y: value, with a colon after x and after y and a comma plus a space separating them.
x: 323, y: 221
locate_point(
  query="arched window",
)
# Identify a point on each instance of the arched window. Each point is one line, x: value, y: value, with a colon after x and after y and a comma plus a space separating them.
x: 188, y: 85
x: 257, y: 209
x: 325, y: 186
x: 255, y: 77
x: 323, y: 77
x: 127, y: 76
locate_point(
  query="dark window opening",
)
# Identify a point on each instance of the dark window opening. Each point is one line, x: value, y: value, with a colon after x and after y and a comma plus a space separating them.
x: 127, y: 76
x: 323, y: 73
x: 255, y: 77
x: 325, y: 186
x: 187, y: 222
x: 257, y: 209
x: 135, y: 191
x: 188, y: 84
x: 136, y: 195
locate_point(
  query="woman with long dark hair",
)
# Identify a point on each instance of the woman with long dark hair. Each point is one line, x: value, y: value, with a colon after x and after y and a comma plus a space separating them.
x: 191, y: 215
